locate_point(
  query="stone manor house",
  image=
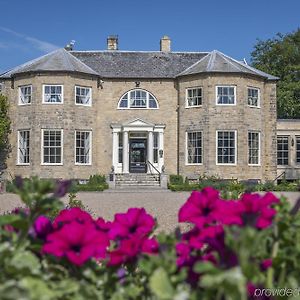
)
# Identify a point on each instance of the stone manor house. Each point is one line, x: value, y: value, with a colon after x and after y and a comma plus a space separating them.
x: 79, y: 113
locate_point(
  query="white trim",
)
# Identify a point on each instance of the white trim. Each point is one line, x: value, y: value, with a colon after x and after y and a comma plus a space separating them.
x: 259, y: 148
x: 62, y: 93
x: 83, y: 87
x: 18, y: 152
x: 235, y: 147
x: 91, y: 148
x: 235, y: 95
x: 19, y: 94
x: 138, y: 108
x: 186, y: 97
x: 258, y: 97
x: 42, y: 147
x: 186, y: 148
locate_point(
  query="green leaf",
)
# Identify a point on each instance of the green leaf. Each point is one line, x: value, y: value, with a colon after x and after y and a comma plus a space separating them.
x: 205, y: 267
x: 37, y: 289
x: 10, y: 219
x: 24, y: 263
x: 160, y: 285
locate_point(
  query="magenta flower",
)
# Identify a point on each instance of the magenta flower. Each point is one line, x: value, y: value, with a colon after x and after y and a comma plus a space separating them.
x: 102, y: 225
x: 201, y: 207
x: 266, y: 264
x: 78, y: 242
x: 42, y: 227
x: 135, y: 222
x: 129, y: 249
x: 256, y: 209
x: 183, y: 251
x: 72, y: 214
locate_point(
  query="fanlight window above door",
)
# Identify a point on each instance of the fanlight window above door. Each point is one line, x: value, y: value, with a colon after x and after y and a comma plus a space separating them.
x: 138, y: 99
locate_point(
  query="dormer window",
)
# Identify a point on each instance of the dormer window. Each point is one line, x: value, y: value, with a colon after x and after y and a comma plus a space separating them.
x: 53, y: 94
x: 25, y: 94
x: 138, y: 99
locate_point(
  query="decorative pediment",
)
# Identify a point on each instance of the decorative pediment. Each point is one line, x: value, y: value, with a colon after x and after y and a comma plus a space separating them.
x: 138, y: 123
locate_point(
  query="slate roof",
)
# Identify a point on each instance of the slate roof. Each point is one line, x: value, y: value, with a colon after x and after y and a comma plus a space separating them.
x: 136, y: 64
x: 217, y: 62
x: 58, y: 60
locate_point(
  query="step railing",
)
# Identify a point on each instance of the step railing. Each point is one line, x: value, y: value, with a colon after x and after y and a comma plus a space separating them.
x: 279, y: 176
x: 151, y: 165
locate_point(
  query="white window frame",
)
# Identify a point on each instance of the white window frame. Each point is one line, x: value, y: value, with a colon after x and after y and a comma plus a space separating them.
x: 286, y: 151
x: 138, y: 108
x: 226, y: 86
x: 90, y: 92
x: 20, y: 94
x: 186, y: 148
x: 259, y: 148
x: 258, y: 97
x: 62, y: 94
x: 42, y: 147
x: 186, y: 96
x: 90, y: 152
x: 235, y: 147
x: 18, y: 145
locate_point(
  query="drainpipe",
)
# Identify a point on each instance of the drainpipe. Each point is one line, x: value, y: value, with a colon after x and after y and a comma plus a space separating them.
x: 178, y: 123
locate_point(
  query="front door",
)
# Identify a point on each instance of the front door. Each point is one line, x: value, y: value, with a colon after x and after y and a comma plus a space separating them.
x: 138, y: 156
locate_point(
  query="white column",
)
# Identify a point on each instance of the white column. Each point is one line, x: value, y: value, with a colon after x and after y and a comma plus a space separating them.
x: 125, y: 152
x: 150, y: 149
x: 160, y: 147
x: 115, y: 152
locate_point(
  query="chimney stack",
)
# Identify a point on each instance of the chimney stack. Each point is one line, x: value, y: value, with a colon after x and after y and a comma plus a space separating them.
x: 165, y: 44
x: 112, y: 42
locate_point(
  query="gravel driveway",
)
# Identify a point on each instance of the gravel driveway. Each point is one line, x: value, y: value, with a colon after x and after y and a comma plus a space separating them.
x: 164, y: 205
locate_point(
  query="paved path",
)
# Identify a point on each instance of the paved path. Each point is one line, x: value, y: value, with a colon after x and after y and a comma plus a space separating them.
x: 164, y: 205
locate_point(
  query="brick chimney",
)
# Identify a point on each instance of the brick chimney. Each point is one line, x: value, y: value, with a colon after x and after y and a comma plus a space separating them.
x: 165, y: 44
x: 112, y: 42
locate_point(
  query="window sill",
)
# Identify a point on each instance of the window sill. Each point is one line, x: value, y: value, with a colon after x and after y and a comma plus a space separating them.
x: 79, y: 104
x: 196, y: 164
x: 19, y: 164
x: 52, y: 103
x: 78, y: 164
x: 49, y: 164
x: 194, y: 106
x: 253, y: 106
x: 220, y: 104
x: 138, y: 108
x: 24, y: 104
x: 224, y: 164
x: 254, y: 165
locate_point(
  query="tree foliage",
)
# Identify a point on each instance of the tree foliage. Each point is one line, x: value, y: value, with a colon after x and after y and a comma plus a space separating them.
x: 280, y: 56
x: 4, y: 130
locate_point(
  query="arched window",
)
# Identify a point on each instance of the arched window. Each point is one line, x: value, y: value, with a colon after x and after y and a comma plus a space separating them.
x: 138, y: 99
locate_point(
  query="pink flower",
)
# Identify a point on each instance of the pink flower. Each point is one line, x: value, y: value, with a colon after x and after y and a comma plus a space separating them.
x: 266, y: 264
x: 201, y: 207
x: 129, y: 249
x: 42, y: 227
x: 183, y: 251
x: 72, y: 214
x: 78, y: 242
x: 255, y: 209
x: 102, y: 225
x: 135, y: 222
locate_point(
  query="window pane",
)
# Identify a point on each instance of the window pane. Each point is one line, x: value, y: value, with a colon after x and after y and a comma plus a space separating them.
x: 53, y: 94
x: 253, y: 148
x: 23, y: 147
x: 194, y: 147
x: 52, y: 146
x: 83, y: 147
x: 282, y: 150
x: 194, y: 97
x: 226, y: 147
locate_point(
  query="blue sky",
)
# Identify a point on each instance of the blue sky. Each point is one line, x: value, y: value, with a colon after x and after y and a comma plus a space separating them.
x: 31, y: 28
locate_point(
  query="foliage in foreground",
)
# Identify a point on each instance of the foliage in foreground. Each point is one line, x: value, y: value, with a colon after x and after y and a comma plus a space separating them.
x: 232, y: 248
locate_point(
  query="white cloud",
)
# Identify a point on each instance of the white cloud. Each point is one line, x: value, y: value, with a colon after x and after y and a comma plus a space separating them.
x: 38, y: 44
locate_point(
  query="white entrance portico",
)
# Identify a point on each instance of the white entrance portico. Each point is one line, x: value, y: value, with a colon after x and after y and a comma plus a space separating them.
x: 138, y: 147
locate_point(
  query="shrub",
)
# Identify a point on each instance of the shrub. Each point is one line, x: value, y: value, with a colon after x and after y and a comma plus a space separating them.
x: 176, y: 179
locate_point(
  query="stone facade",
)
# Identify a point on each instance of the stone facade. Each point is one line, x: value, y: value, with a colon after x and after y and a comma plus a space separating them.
x: 290, y: 129
x: 172, y: 119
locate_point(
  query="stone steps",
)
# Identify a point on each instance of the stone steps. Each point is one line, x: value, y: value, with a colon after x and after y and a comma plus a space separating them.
x: 137, y: 180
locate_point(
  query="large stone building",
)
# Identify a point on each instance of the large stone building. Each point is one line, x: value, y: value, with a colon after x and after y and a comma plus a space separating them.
x: 78, y: 113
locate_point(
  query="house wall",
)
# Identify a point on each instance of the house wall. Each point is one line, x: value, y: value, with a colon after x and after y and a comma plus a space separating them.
x: 103, y: 112
x: 97, y: 118
x: 240, y: 117
x: 291, y: 129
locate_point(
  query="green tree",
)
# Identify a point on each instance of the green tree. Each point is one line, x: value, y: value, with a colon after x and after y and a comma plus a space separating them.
x: 280, y: 56
x: 4, y: 131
